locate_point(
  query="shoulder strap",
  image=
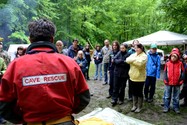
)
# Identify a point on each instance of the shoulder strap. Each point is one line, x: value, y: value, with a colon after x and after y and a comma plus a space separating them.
x: 155, y: 63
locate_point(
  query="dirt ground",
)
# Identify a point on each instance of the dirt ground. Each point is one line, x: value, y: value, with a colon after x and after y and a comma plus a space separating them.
x: 152, y: 112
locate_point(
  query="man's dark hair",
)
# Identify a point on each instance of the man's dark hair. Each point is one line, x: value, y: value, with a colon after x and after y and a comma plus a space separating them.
x: 41, y: 30
x: 75, y: 40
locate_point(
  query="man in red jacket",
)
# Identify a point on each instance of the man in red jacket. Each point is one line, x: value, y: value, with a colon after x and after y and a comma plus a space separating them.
x: 43, y: 87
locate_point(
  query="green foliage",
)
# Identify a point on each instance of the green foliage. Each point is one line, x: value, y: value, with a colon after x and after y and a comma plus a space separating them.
x: 16, y: 15
x: 175, y: 15
x: 19, y: 37
x: 94, y: 20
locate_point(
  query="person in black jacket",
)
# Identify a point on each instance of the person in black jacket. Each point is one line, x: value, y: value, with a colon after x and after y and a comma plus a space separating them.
x: 115, y: 50
x: 183, y: 94
x: 88, y: 58
x: 120, y: 75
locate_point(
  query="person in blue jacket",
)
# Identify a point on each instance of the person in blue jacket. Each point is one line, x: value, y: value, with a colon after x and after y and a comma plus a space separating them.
x: 73, y: 49
x: 153, y: 72
x: 82, y: 62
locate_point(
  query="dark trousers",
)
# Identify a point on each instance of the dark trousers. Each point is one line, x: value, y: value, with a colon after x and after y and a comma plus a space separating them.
x: 183, y: 93
x: 106, y: 66
x: 149, y: 89
x: 87, y: 71
x: 137, y: 88
x: 111, y: 82
x: 130, y: 89
x: 119, y: 88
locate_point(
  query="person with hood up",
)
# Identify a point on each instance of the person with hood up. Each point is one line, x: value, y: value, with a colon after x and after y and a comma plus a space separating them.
x: 173, y: 79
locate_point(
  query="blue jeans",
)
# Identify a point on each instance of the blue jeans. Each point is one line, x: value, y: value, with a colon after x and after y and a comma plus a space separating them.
x: 106, y: 67
x: 171, y: 90
x: 98, y: 71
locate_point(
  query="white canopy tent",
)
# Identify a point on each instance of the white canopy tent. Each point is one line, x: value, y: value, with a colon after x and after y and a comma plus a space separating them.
x: 162, y: 38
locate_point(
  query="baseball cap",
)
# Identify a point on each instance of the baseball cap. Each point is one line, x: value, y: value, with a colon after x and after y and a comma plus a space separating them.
x: 153, y: 45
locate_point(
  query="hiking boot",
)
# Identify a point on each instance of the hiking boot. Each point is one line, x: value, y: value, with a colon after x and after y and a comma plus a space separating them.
x: 138, y: 110
x: 162, y: 104
x: 113, y: 103
x: 140, y: 102
x: 133, y: 108
x: 108, y: 96
x: 135, y: 101
x: 105, y: 83
x: 176, y: 111
x: 120, y: 102
x: 129, y: 99
x: 145, y: 99
x: 165, y: 110
x: 150, y: 100
x: 95, y: 78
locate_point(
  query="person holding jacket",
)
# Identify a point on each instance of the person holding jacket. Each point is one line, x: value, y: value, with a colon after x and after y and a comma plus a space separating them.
x: 152, y: 72
x: 137, y: 75
x: 43, y: 86
x: 121, y: 70
x: 173, y: 79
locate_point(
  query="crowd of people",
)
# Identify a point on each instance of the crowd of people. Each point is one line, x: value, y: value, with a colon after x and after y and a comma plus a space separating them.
x: 120, y: 63
x: 137, y: 68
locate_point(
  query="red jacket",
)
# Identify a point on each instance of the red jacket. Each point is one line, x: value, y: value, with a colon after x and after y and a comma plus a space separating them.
x: 174, y: 71
x: 46, y: 86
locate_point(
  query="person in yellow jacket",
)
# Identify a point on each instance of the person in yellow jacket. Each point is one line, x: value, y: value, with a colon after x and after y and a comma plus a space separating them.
x: 137, y: 74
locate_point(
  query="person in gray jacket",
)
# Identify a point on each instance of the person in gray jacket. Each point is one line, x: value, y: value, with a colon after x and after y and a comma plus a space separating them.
x: 106, y: 50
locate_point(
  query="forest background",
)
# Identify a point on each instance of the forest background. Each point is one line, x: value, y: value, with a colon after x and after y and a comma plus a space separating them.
x: 92, y: 21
